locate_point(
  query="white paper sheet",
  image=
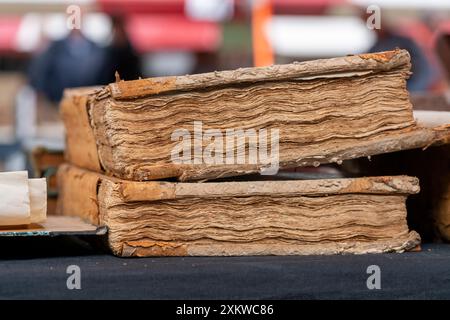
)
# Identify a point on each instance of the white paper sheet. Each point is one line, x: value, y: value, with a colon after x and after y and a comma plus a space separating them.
x: 14, y: 198
x: 22, y: 201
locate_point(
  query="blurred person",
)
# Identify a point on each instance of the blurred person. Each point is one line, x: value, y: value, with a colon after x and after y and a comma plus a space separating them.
x: 120, y: 55
x: 443, y: 51
x: 74, y: 61
x: 422, y: 72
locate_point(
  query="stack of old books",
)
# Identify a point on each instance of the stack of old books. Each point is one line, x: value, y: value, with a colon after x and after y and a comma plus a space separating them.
x: 129, y: 142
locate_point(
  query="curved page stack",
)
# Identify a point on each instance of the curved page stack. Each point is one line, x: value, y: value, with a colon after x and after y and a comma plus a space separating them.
x: 156, y: 218
x: 324, y: 110
x: 120, y: 139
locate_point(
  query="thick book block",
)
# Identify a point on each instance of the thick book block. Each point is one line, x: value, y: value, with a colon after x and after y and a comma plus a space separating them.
x: 360, y: 215
x: 325, y: 111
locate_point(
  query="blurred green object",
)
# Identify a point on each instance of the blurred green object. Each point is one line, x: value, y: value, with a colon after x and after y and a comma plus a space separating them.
x: 236, y: 36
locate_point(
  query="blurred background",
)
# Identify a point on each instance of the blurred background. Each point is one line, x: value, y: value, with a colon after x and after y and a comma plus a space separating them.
x: 41, y: 52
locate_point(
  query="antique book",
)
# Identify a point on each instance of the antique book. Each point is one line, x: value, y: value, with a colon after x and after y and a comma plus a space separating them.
x: 155, y: 218
x: 251, y: 120
x: 428, y: 211
x: 22, y: 201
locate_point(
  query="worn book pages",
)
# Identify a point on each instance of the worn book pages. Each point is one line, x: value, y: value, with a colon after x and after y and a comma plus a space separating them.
x: 325, y: 111
x: 22, y: 200
x: 329, y: 216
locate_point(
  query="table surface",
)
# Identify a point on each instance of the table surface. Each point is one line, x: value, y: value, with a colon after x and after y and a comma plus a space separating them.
x: 36, y: 269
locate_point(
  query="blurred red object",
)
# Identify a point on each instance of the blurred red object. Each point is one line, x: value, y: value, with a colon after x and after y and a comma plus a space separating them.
x: 141, y: 6
x: 177, y: 6
x: 172, y: 32
x: 9, y: 27
x: 304, y: 6
x: 443, y: 28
